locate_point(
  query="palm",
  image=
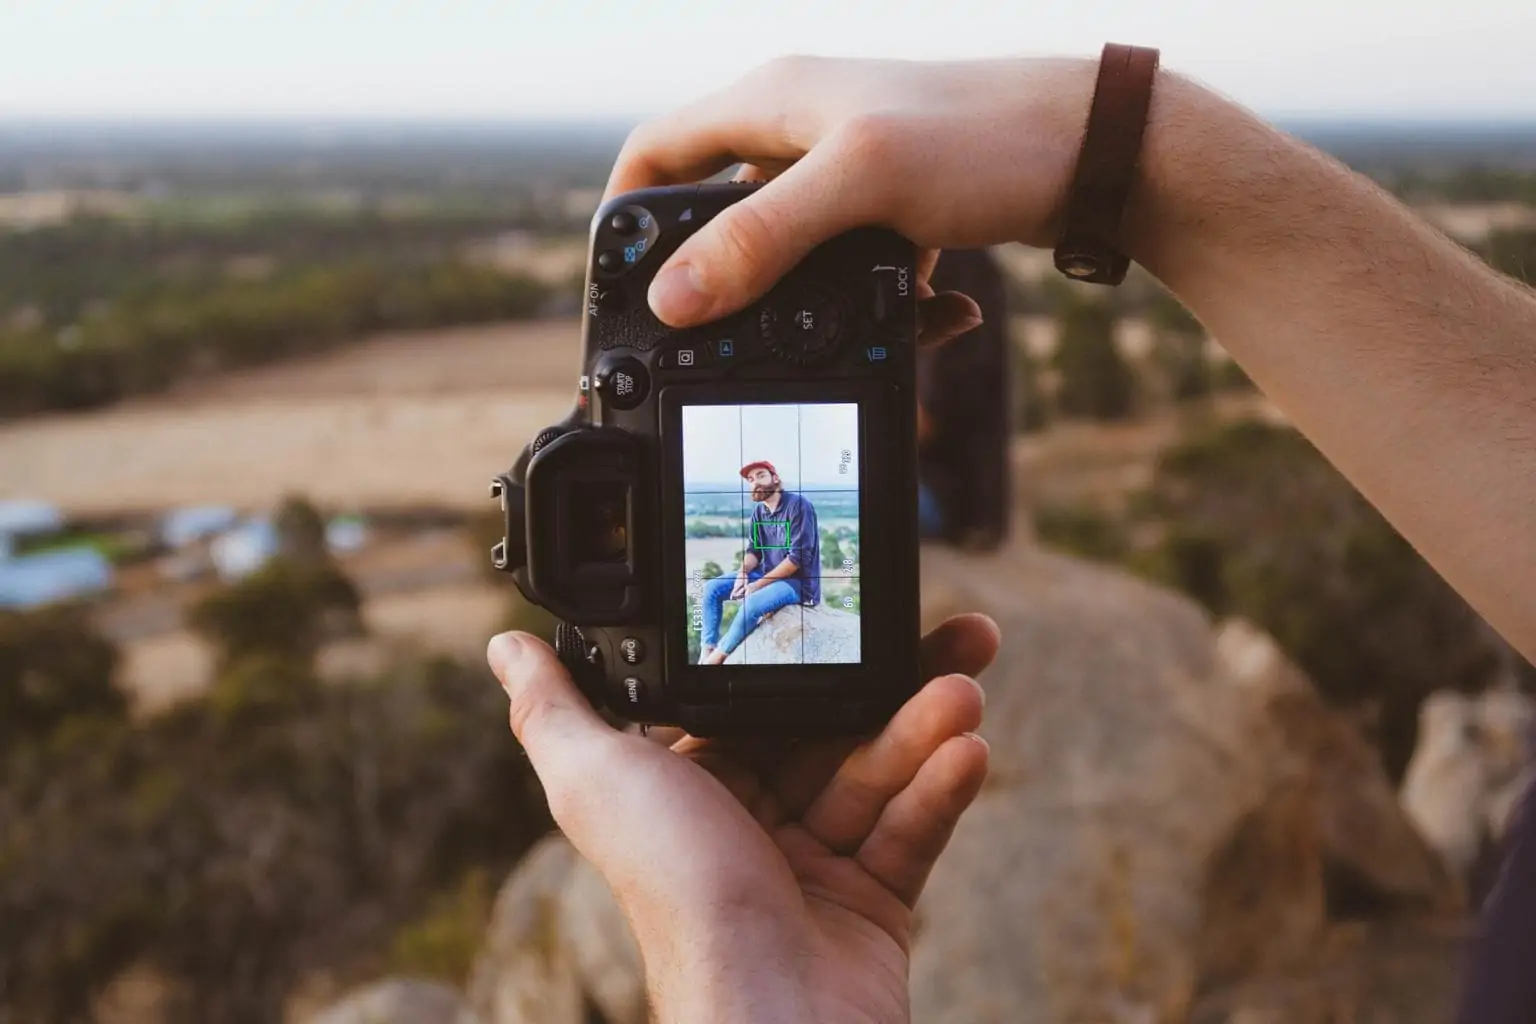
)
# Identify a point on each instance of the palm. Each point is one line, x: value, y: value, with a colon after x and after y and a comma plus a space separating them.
x: 814, y: 852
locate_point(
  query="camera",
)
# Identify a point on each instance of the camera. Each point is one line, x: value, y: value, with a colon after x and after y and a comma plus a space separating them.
x: 726, y: 523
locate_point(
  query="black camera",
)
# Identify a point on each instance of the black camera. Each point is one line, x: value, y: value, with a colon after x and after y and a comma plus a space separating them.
x: 727, y: 521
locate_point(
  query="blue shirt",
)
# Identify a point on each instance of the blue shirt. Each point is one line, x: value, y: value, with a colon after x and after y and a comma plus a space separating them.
x: 788, y: 531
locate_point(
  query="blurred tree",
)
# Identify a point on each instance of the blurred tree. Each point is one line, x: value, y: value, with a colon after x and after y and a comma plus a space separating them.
x: 1180, y: 348
x: 300, y: 532
x: 831, y: 552
x: 241, y: 842
x: 711, y: 570
x: 1256, y: 523
x: 283, y: 610
x: 1082, y: 530
x: 54, y: 666
x: 1513, y: 252
x: 1096, y: 382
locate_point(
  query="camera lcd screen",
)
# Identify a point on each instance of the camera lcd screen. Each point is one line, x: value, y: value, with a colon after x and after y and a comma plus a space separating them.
x: 771, y: 510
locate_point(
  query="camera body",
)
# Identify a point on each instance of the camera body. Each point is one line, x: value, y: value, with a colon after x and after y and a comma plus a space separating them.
x: 726, y: 522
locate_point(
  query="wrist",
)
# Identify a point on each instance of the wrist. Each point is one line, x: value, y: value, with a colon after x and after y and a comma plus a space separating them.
x: 1211, y: 184
x: 707, y: 975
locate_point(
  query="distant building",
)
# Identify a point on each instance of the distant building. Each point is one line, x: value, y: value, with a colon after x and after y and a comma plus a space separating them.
x: 241, y: 551
x: 187, y: 526
x: 31, y: 581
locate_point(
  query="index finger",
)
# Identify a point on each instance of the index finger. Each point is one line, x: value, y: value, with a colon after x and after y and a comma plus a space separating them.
x: 761, y: 119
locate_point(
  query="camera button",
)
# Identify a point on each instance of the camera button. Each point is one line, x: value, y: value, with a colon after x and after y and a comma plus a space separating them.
x: 684, y: 357
x: 610, y: 261
x: 637, y: 692
x: 623, y: 222
x: 623, y: 383
x: 632, y: 650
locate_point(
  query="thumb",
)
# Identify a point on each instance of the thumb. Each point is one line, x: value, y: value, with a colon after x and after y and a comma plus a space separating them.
x: 551, y: 718
x: 738, y: 255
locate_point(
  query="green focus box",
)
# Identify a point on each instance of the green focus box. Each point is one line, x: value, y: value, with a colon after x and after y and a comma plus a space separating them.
x: 757, y: 541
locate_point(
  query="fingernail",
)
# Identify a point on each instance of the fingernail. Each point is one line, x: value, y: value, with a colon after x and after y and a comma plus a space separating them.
x: 981, y: 692
x: 677, y: 296
x: 976, y: 737
x: 503, y: 650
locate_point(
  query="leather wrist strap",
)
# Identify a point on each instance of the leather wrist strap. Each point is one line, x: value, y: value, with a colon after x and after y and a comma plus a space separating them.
x: 1088, y: 248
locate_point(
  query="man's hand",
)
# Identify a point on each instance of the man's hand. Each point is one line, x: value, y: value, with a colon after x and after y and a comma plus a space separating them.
x: 740, y: 590
x: 763, y: 880
x: 952, y: 155
x: 754, y: 586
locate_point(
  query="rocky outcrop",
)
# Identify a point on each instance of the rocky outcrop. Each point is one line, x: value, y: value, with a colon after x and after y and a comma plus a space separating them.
x: 1470, y: 768
x: 557, y: 944
x: 1162, y: 806
x: 1168, y: 807
x: 395, y: 1001
x: 797, y: 635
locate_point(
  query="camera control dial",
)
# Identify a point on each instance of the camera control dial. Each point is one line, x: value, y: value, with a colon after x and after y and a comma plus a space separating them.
x: 804, y: 330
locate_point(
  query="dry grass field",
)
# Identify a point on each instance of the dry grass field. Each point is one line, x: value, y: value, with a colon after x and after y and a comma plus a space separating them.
x: 404, y: 420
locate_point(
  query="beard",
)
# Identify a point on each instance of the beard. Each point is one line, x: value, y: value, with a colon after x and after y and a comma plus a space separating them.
x: 762, y: 492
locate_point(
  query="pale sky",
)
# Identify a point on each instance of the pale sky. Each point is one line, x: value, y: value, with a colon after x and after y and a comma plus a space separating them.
x: 562, y: 59
x: 804, y: 442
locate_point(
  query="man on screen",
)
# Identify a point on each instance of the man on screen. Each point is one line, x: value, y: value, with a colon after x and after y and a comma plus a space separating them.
x: 781, y: 566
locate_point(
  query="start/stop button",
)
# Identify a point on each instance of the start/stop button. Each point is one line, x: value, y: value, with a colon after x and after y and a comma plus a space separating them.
x: 623, y: 383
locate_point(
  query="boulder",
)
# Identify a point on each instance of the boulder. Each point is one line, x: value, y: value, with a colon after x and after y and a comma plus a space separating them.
x: 1167, y: 805
x: 1396, y: 972
x: 395, y: 1001
x: 1470, y: 769
x: 1163, y: 802
x: 556, y: 946
x: 797, y: 635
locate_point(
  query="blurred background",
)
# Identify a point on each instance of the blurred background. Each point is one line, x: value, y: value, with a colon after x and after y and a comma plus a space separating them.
x: 282, y: 285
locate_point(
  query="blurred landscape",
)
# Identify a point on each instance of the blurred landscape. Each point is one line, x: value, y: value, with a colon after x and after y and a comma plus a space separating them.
x: 253, y: 381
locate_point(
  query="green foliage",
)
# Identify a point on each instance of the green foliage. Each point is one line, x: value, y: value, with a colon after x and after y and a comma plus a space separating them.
x: 1266, y: 529
x: 699, y: 528
x: 300, y: 532
x: 55, y: 667
x: 1180, y: 349
x: 285, y: 609
x: 1513, y: 252
x: 119, y: 548
x: 831, y: 551
x: 1231, y: 377
x: 1473, y: 184
x: 711, y: 570
x: 144, y: 342
x: 239, y: 842
x: 1082, y: 530
x: 444, y: 941
x: 1096, y: 381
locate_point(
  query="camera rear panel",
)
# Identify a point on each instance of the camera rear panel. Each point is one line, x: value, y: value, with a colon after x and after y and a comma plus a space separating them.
x: 815, y: 383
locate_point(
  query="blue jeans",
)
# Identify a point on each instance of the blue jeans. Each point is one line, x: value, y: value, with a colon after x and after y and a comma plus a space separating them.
x: 760, y: 602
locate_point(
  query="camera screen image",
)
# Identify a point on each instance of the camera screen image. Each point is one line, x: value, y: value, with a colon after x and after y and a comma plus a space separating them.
x: 771, y: 533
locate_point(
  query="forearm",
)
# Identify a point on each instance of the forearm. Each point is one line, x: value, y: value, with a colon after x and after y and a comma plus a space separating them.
x: 1404, y: 359
x: 749, y: 561
x: 782, y: 571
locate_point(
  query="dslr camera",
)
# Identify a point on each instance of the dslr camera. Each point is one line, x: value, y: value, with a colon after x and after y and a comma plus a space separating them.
x: 726, y: 523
